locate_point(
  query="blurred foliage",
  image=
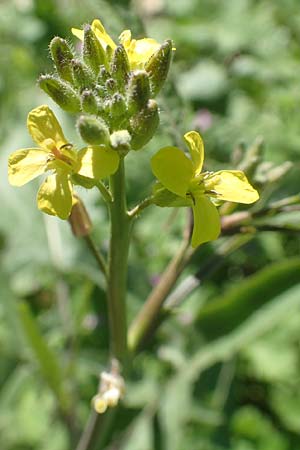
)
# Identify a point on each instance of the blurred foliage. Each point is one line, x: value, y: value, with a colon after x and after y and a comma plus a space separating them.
x: 223, y: 372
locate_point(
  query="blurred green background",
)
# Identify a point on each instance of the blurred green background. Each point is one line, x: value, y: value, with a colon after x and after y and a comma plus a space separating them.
x: 224, y: 371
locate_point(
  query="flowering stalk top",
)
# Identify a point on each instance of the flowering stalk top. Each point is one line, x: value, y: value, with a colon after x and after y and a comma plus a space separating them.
x: 138, y: 50
x: 57, y: 155
x: 183, y: 177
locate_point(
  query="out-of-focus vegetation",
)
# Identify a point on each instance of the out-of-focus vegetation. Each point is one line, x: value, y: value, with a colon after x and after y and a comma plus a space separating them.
x: 224, y: 371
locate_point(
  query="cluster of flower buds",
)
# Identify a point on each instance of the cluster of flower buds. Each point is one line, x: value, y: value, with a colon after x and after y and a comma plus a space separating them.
x: 114, y: 97
x: 112, y: 389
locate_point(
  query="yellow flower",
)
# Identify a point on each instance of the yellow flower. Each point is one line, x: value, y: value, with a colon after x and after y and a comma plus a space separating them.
x: 138, y: 50
x: 56, y: 155
x: 182, y: 176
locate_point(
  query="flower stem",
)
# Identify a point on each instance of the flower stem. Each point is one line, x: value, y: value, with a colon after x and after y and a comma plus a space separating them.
x: 139, y: 208
x: 98, y: 256
x: 104, y: 192
x: 117, y: 265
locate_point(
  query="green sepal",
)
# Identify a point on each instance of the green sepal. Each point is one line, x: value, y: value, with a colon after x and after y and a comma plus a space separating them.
x: 158, y: 67
x: 85, y: 182
x: 62, y: 56
x: 138, y: 91
x: 83, y: 75
x: 92, y: 51
x: 93, y: 130
x: 61, y: 92
x: 119, y: 67
x: 144, y: 125
x: 89, y: 102
x: 164, y: 198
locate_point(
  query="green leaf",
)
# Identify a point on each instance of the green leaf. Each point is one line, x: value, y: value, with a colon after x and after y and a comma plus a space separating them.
x: 227, y: 312
x: 45, y: 357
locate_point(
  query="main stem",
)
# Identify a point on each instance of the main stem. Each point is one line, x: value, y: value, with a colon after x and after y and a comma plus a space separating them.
x: 117, y: 266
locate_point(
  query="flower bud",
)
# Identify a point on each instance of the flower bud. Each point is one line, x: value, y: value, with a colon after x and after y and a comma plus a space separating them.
x: 92, y: 51
x: 117, y: 110
x: 103, y: 76
x: 61, y: 92
x: 119, y: 66
x: 83, y: 76
x: 79, y: 219
x: 89, y: 102
x: 143, y: 125
x: 120, y: 141
x: 158, y: 65
x: 111, y: 86
x: 93, y: 130
x: 138, y: 91
x: 62, y: 56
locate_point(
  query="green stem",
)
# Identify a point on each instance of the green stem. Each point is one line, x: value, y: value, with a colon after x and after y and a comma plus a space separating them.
x: 104, y: 192
x: 117, y: 265
x: 139, y: 208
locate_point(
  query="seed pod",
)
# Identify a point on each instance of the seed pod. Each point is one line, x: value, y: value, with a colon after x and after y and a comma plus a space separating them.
x: 61, y: 92
x: 79, y: 219
x: 138, y: 91
x: 93, y: 130
x: 83, y: 76
x: 158, y: 66
x: 119, y: 67
x: 143, y: 125
x: 62, y: 56
x: 92, y: 51
x: 89, y: 103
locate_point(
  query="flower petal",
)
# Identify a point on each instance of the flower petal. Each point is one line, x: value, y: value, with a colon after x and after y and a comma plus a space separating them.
x: 26, y: 164
x: 42, y: 124
x: 55, y: 195
x: 173, y: 168
x: 195, y: 144
x: 231, y: 185
x: 97, y: 162
x: 207, y: 225
x: 101, y: 34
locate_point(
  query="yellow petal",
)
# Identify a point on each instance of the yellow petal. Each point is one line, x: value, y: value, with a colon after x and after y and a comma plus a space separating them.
x: 99, y: 31
x: 173, y: 169
x: 139, y: 51
x: 97, y: 162
x: 231, y: 185
x: 206, y: 221
x: 55, y: 196
x: 195, y: 144
x: 42, y: 124
x: 26, y: 164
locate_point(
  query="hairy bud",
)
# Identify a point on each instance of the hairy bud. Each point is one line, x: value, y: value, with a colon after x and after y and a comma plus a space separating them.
x: 61, y: 92
x: 93, y: 130
x: 158, y: 67
x: 89, y: 103
x: 83, y: 76
x: 92, y: 51
x: 138, y: 92
x: 62, y: 56
x: 143, y: 125
x: 119, y: 66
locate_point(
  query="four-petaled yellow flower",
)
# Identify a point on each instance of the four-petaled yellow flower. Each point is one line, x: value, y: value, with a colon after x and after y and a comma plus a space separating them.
x: 56, y: 155
x: 182, y: 176
x: 138, y: 50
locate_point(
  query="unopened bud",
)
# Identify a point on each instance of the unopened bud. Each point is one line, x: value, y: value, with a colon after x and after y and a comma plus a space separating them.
x: 103, y: 76
x: 62, y: 56
x: 119, y: 66
x: 93, y: 53
x: 143, y: 125
x: 117, y: 110
x: 89, y: 103
x: 111, y: 86
x: 61, y: 92
x: 79, y: 219
x: 120, y: 140
x: 158, y: 67
x: 93, y: 130
x: 83, y: 76
x: 138, y: 91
